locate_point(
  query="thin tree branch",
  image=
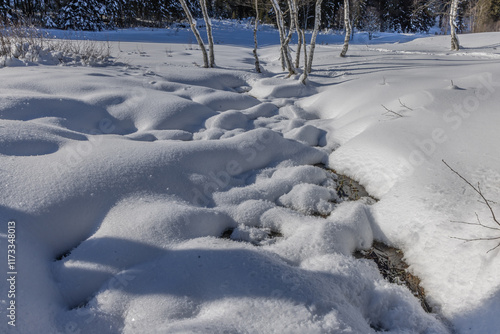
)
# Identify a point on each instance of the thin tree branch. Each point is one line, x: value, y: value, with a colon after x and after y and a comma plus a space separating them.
x: 476, y: 224
x: 475, y: 239
x: 477, y: 190
x: 404, y: 105
x: 393, y: 112
x: 479, y: 223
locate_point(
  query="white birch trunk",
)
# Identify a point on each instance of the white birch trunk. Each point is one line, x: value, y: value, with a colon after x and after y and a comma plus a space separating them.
x: 317, y: 21
x: 196, y: 33
x: 302, y: 38
x: 286, y: 59
x: 301, y: 35
x: 347, y: 24
x: 208, y: 24
x: 257, y: 62
x: 286, y: 47
x: 304, y: 48
x: 299, y: 47
x: 280, y: 24
x: 455, y: 46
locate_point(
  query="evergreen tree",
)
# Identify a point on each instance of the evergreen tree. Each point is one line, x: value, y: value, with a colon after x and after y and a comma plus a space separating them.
x: 405, y: 16
x: 393, y: 15
x: 371, y: 21
x: 332, y: 13
x: 111, y: 10
x: 421, y: 19
x: 5, y: 10
x: 82, y: 15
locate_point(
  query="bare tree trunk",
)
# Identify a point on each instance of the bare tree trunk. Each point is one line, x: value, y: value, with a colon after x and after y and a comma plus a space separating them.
x: 257, y: 62
x: 208, y: 24
x: 196, y: 33
x: 300, y: 33
x: 304, y: 48
x: 347, y: 24
x: 299, y: 47
x: 280, y: 23
x: 306, y: 14
x: 455, y: 46
x: 293, y: 19
x: 317, y: 21
x: 446, y: 23
x: 286, y: 59
x: 302, y: 37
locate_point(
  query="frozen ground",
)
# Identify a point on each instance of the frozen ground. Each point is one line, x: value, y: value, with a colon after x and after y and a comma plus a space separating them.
x: 122, y: 179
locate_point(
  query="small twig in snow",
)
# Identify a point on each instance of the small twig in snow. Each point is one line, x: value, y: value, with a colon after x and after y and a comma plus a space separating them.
x: 392, y: 112
x: 477, y: 190
x: 485, y: 201
x: 404, y: 105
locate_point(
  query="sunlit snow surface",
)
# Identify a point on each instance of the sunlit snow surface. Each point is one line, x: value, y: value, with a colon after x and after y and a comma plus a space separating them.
x: 121, y: 180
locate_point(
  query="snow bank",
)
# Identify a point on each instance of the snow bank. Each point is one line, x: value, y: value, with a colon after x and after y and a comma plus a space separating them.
x: 443, y: 112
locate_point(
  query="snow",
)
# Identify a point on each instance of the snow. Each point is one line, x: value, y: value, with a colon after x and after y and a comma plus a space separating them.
x: 123, y: 180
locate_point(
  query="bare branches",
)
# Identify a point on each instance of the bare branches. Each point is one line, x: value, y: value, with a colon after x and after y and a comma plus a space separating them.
x: 477, y: 190
x: 404, y: 105
x: 486, y: 202
x: 478, y: 223
x: 286, y: 59
x: 391, y: 111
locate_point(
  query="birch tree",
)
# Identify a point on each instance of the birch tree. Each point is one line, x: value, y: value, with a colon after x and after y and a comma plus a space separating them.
x: 280, y: 24
x: 302, y: 44
x: 286, y: 58
x: 293, y: 20
x: 301, y: 38
x: 192, y: 23
x: 208, y: 24
x: 455, y: 46
x: 256, y: 26
x: 312, y: 46
x: 347, y: 25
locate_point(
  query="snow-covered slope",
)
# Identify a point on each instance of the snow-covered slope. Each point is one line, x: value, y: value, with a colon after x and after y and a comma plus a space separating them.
x: 449, y: 104
x: 157, y: 196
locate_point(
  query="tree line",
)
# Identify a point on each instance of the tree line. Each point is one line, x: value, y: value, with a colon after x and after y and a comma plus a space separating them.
x: 368, y: 15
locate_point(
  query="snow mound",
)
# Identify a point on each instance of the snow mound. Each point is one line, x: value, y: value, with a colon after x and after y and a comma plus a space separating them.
x: 243, y: 286
x: 228, y: 120
x: 310, y: 199
x: 277, y: 88
x: 308, y: 134
x: 222, y: 101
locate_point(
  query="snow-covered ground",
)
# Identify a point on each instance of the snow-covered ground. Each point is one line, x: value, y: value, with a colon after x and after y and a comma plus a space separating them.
x: 122, y: 179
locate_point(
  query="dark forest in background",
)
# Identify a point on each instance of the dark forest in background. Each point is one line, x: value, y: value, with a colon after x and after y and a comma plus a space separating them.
x: 369, y: 15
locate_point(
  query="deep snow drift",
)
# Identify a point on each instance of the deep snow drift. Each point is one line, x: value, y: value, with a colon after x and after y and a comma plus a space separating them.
x: 123, y: 179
